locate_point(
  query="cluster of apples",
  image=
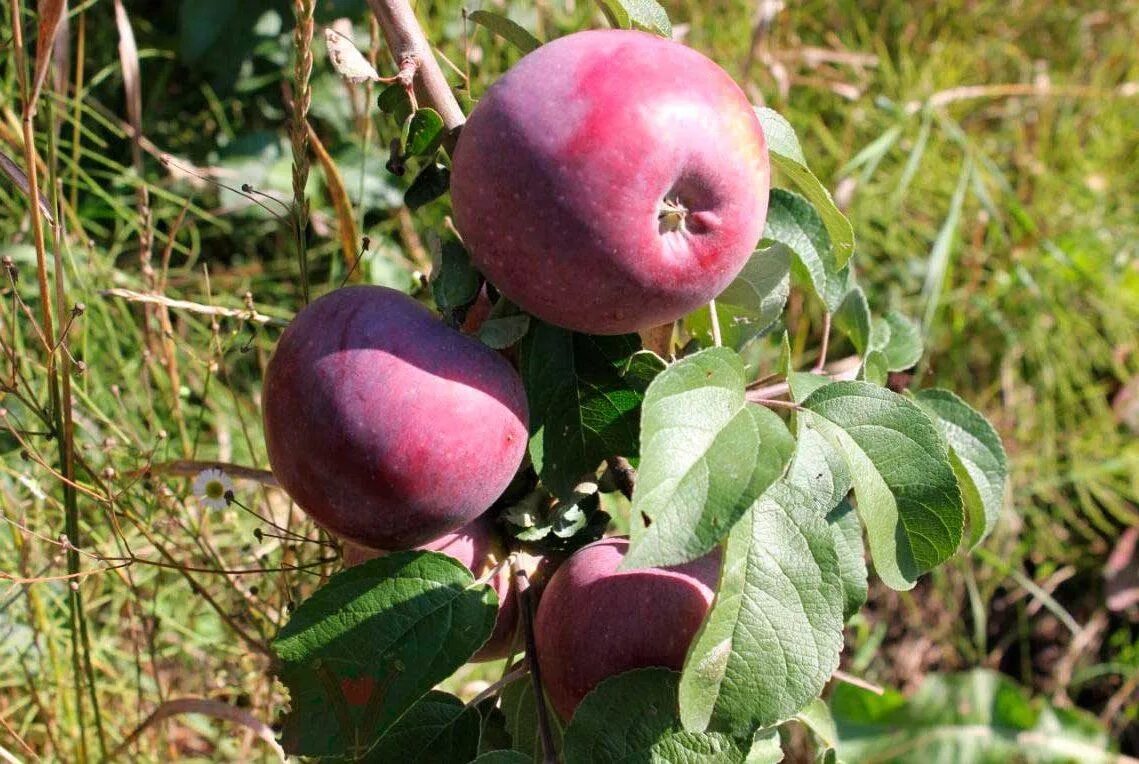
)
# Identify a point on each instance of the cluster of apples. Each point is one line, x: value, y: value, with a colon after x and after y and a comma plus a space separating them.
x: 610, y: 182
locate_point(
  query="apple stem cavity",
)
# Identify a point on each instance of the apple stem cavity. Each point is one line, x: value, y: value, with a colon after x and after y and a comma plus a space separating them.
x: 526, y: 607
x: 671, y: 216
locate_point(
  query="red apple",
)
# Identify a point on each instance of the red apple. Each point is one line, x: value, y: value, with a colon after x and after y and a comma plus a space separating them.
x: 594, y: 621
x: 387, y: 427
x: 611, y: 181
x: 477, y: 545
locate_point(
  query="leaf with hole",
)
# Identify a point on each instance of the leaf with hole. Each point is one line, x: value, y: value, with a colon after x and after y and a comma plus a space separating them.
x: 706, y: 456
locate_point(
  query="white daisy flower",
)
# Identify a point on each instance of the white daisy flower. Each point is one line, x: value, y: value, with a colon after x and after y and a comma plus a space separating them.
x: 211, y: 487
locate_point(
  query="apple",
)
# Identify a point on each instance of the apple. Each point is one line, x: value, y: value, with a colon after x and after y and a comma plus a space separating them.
x: 611, y: 181
x: 478, y: 545
x: 386, y: 426
x: 594, y: 621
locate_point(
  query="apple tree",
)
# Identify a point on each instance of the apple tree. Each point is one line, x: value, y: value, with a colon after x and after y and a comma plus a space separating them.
x: 587, y: 446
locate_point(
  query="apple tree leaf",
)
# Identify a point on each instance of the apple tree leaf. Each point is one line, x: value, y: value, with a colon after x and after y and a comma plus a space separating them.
x: 787, y: 155
x: 648, y: 15
x: 794, y: 223
x: 584, y: 405
x: 424, y: 133
x: 853, y: 319
x: 439, y: 727
x: 847, y: 534
x: 399, y: 625
x: 906, y: 491
x: 976, y: 716
x: 632, y: 717
x: 431, y: 183
x: 773, y: 636
x: 505, y: 326
x: 508, y: 30
x: 503, y: 757
x: 521, y: 712
x: 454, y: 280
x: 752, y: 303
x: 977, y: 455
x: 898, y: 339
x: 706, y: 456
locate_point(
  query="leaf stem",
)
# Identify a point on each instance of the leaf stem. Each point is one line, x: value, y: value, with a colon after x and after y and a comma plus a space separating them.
x: 819, y: 364
x: 714, y: 319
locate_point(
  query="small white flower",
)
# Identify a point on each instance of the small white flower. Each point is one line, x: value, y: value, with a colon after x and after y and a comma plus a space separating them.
x: 211, y: 487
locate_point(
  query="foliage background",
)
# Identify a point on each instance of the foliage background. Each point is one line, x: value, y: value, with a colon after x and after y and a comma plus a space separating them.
x: 1006, y: 217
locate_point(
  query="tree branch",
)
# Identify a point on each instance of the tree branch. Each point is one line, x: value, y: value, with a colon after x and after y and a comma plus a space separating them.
x: 407, y: 43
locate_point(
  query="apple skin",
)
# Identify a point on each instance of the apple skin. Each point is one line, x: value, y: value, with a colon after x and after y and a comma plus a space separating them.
x: 386, y: 426
x: 560, y: 173
x: 477, y: 545
x: 594, y: 621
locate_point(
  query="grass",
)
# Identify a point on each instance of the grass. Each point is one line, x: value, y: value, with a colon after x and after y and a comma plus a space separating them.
x: 1024, y: 268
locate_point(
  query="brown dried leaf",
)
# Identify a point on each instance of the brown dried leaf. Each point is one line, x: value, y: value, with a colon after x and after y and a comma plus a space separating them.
x: 13, y: 171
x: 132, y: 76
x: 348, y: 61
x: 51, y: 14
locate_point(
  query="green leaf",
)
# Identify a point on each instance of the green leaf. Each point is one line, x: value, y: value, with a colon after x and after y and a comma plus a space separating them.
x: 454, y: 280
x: 583, y: 408
x: 503, y: 757
x: 816, y: 716
x: 752, y: 303
x: 632, y: 717
x: 431, y: 183
x: 968, y: 718
x: 794, y: 223
x: 787, y: 155
x: 505, y: 326
x: 506, y: 29
x: 853, y: 319
x: 400, y: 623
x: 847, y: 534
x: 978, y: 458
x: 521, y: 712
x: 439, y: 728
x: 706, y: 456
x: 907, y: 494
x: 648, y: 15
x: 424, y: 134
x: 899, y: 340
x: 875, y: 368
x: 773, y: 636
x: 394, y: 100
x: 803, y: 383
x: 766, y: 748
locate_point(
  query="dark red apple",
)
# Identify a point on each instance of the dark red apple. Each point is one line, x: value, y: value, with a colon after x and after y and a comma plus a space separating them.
x: 594, y: 621
x: 611, y: 181
x: 387, y: 427
x: 478, y: 545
